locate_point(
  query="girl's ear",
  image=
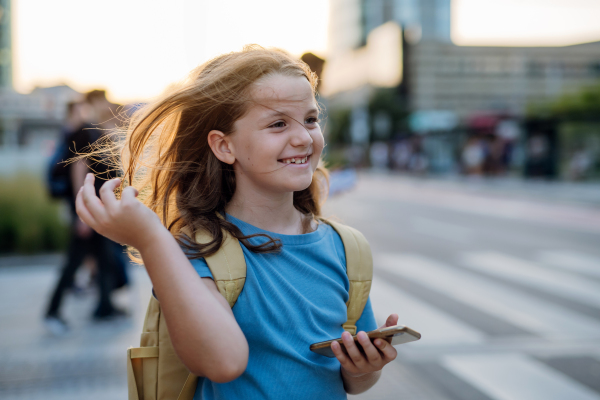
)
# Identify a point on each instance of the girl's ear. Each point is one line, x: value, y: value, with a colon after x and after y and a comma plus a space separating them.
x: 221, y: 146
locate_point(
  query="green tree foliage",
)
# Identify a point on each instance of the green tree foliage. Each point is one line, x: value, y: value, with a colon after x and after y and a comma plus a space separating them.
x: 389, y: 102
x: 29, y: 221
x: 584, y: 105
x: 338, y: 126
x: 580, y: 106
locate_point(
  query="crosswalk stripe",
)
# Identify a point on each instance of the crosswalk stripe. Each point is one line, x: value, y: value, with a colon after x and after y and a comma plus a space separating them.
x: 571, y: 261
x: 516, y: 307
x: 516, y: 376
x: 436, y: 327
x: 555, y: 282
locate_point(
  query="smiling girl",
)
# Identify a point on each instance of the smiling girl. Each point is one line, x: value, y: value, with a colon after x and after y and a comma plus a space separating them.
x: 237, y: 147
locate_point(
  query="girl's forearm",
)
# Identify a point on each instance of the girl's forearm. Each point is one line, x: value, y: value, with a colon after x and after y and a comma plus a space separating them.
x: 202, y: 327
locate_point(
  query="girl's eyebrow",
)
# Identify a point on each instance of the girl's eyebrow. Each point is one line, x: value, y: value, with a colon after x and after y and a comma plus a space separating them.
x: 276, y: 113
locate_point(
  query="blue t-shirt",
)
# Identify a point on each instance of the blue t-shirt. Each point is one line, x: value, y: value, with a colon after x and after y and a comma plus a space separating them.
x: 290, y: 300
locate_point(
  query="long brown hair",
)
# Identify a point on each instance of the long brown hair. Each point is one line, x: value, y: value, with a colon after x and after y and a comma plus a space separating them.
x: 166, y: 155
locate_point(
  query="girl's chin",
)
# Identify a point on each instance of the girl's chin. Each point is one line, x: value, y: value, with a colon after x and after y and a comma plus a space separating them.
x: 296, y: 184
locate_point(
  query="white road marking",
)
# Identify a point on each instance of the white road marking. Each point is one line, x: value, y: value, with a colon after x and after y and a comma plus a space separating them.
x: 571, y: 261
x: 436, y: 327
x: 516, y: 377
x: 555, y: 282
x: 514, y: 306
x: 442, y: 230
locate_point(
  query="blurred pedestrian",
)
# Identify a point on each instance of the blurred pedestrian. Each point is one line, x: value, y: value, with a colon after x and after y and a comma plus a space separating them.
x: 473, y: 156
x: 83, y: 241
x: 579, y: 165
x: 401, y: 155
x: 379, y: 155
x: 418, y: 162
x: 106, y: 117
x: 104, y: 113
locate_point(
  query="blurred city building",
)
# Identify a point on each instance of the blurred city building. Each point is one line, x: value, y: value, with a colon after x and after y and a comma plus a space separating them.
x: 30, y: 123
x: 31, y: 126
x: 5, y: 45
x: 438, y: 75
x: 402, y: 50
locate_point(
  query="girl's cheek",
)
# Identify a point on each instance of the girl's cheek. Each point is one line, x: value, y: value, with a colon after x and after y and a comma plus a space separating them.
x: 318, y: 143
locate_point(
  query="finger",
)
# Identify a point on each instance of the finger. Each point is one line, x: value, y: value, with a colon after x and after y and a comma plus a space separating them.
x: 82, y: 210
x: 107, y: 193
x: 129, y: 193
x: 91, y: 201
x: 343, y: 358
x: 389, y: 352
x: 339, y: 353
x: 370, y: 351
x: 352, y: 349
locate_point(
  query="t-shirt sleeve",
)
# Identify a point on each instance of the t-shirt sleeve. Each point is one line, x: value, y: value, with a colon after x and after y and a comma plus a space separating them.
x: 199, y: 265
x: 201, y: 268
x: 366, y: 322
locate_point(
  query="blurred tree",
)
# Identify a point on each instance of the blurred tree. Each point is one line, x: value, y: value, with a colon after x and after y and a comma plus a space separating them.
x: 30, y: 222
x: 315, y: 63
x: 387, y: 104
x: 337, y: 126
x: 580, y: 106
x: 584, y: 105
x: 575, y: 118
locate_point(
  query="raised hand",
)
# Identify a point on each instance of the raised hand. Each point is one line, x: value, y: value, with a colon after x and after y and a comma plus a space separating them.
x: 125, y: 221
x: 375, y: 357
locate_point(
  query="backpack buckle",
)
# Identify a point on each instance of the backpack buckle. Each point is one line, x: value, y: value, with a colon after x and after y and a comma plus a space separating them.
x: 350, y: 328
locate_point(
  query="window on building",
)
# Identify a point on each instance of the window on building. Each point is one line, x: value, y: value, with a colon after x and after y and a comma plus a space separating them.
x: 595, y: 69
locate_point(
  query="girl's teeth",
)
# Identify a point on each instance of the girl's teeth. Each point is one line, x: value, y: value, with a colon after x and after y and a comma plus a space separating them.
x: 296, y: 160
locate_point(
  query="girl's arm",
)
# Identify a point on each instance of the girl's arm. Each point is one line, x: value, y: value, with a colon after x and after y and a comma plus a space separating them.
x: 361, y: 371
x: 203, y: 330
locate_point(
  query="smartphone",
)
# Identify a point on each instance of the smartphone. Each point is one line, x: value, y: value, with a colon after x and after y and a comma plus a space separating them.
x: 394, y: 335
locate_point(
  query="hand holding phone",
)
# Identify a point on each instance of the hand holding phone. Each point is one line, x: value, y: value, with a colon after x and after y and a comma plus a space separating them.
x: 395, y: 335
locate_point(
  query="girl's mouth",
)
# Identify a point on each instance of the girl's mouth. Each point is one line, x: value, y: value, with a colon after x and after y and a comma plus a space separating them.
x: 295, y: 160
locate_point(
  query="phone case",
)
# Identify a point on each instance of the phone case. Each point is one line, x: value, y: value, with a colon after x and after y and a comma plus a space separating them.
x: 395, y: 335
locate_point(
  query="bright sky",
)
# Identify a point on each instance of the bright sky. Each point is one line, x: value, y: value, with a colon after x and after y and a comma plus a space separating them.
x: 136, y: 48
x: 525, y: 22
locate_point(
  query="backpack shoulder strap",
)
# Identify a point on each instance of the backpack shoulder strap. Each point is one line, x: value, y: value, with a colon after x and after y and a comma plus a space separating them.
x: 227, y: 265
x: 359, y: 267
x: 154, y: 370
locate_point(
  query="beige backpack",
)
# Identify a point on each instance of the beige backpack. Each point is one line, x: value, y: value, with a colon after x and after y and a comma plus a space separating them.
x: 154, y: 372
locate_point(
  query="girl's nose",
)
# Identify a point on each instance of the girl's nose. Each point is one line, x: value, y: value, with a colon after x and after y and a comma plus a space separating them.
x: 301, y: 137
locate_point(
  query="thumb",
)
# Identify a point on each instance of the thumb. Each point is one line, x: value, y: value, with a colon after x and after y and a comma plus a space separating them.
x: 390, y: 321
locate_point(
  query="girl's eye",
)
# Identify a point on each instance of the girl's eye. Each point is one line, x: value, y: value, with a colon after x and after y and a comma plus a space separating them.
x: 278, y: 124
x: 312, y: 120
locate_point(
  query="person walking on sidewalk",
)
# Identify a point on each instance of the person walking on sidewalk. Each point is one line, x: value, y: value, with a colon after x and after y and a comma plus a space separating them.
x: 83, y: 240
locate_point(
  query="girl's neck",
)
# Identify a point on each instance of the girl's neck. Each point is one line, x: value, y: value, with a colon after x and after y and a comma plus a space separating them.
x: 270, y: 212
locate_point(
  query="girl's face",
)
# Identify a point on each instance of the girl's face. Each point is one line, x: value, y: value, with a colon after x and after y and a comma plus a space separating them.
x: 278, y: 143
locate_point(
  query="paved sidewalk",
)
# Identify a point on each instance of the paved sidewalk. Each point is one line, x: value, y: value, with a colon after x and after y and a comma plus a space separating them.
x: 88, y: 363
